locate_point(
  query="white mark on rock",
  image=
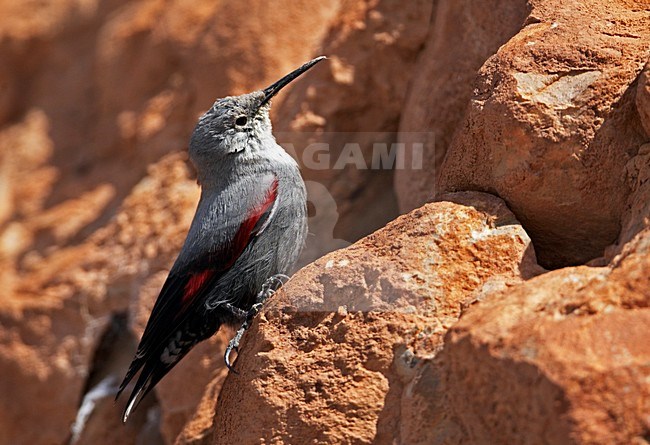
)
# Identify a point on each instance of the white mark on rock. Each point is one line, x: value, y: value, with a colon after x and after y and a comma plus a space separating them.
x: 106, y: 387
x: 479, y: 235
x: 557, y: 91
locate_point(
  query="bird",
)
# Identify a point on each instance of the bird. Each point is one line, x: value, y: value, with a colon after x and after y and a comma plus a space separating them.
x: 246, y: 235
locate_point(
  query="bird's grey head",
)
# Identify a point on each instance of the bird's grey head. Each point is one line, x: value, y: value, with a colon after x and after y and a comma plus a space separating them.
x: 238, y: 127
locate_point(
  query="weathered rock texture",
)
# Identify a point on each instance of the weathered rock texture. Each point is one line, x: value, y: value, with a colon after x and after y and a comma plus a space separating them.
x: 637, y: 214
x: 542, y: 103
x: 569, y: 347
x: 442, y: 84
x: 63, y: 300
x: 553, y: 123
x: 373, y: 49
x: 329, y: 360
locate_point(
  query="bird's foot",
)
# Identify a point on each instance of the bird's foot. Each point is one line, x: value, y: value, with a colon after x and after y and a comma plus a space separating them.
x: 235, y: 311
x: 234, y: 345
x: 270, y: 287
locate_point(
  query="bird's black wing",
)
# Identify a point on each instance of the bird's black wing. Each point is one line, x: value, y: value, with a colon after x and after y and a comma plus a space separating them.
x: 185, y: 291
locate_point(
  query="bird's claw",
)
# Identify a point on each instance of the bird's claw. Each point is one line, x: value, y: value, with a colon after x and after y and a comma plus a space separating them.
x: 234, y: 345
x: 270, y: 286
x: 226, y: 357
x: 254, y: 310
x: 268, y: 289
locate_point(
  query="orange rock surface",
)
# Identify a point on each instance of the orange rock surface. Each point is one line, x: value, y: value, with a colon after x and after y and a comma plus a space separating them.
x: 332, y: 356
x: 569, y: 347
x: 553, y: 123
x: 435, y: 327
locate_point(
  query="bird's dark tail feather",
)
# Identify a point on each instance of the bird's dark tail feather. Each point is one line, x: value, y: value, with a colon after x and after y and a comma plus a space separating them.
x: 150, y: 375
x: 135, y: 366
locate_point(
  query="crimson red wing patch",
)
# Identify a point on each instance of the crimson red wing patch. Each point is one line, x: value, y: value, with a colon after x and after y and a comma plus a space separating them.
x: 258, y: 214
x: 195, y: 283
x: 254, y: 221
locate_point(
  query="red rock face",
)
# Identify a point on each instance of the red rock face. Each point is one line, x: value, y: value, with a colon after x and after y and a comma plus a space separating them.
x: 373, y: 47
x: 438, y: 328
x: 463, y: 35
x: 348, y: 332
x: 63, y: 302
x: 93, y: 93
x: 553, y: 123
x: 569, y: 347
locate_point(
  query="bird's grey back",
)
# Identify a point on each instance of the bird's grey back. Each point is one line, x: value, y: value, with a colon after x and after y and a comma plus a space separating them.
x: 236, y: 190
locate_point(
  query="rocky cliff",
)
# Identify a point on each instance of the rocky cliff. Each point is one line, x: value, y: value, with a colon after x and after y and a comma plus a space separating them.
x: 510, y: 303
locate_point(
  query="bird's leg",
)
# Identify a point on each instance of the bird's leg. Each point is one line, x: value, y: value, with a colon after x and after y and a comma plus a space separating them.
x: 238, y: 313
x: 270, y: 286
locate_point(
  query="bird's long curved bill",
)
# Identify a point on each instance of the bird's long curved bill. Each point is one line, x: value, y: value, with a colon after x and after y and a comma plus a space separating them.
x: 272, y: 90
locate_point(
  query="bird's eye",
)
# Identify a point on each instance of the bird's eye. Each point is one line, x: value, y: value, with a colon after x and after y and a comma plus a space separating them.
x: 241, y: 121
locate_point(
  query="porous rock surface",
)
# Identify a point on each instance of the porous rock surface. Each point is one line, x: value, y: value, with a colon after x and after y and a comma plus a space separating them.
x: 553, y: 122
x: 63, y: 301
x: 93, y: 95
x: 439, y: 328
x: 331, y: 357
x: 569, y: 347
